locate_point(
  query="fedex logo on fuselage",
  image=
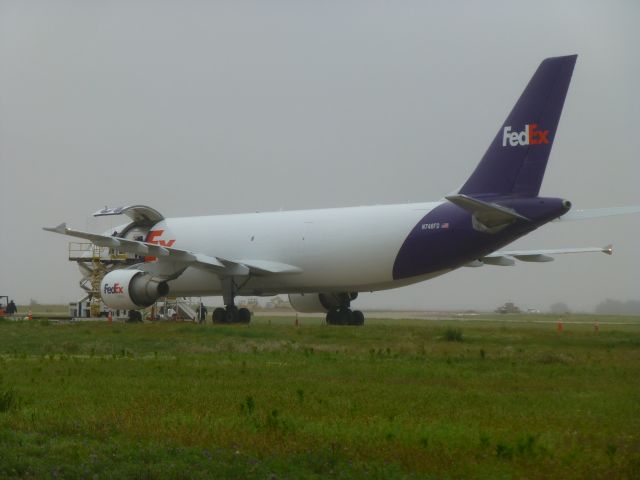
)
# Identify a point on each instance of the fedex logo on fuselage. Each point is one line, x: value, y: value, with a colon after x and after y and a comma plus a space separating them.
x: 116, y: 289
x: 529, y: 136
x: 152, y: 237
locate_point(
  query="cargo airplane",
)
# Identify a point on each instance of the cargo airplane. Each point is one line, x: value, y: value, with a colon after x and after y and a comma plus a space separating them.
x: 323, y: 258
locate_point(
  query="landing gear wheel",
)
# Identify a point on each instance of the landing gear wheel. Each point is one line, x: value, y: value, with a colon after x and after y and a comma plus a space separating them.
x: 219, y: 315
x: 344, y: 316
x: 332, y: 315
x: 357, y: 318
x: 231, y: 314
x: 244, y: 315
x: 340, y: 316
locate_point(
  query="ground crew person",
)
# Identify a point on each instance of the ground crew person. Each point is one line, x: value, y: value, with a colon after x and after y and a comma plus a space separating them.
x: 11, y: 308
x: 202, y: 313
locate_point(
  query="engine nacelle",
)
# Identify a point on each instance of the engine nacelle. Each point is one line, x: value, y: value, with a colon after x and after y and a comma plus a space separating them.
x: 319, y: 302
x: 131, y: 289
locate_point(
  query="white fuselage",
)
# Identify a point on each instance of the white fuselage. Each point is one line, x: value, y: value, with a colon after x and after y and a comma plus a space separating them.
x: 340, y: 249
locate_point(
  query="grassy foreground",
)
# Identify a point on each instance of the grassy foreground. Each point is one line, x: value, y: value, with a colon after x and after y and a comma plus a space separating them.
x: 395, y: 399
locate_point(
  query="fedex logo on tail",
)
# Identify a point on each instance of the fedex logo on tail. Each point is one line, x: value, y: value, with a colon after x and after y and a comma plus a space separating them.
x: 529, y: 136
x: 116, y: 289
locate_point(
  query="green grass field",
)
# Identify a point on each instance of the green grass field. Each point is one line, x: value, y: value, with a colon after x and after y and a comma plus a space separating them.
x: 395, y: 399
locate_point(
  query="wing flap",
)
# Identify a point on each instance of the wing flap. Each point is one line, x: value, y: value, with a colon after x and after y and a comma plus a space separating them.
x: 267, y: 267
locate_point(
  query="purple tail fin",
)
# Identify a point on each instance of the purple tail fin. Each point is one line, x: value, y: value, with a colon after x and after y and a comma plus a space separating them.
x: 516, y: 160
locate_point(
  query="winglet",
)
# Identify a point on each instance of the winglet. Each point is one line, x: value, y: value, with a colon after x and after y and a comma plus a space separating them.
x: 62, y: 228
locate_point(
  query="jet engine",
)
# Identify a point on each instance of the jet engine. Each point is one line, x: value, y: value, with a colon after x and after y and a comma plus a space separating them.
x: 131, y: 289
x: 319, y: 302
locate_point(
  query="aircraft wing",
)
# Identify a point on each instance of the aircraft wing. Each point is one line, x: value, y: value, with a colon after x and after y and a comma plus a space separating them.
x: 506, y: 258
x: 173, y: 261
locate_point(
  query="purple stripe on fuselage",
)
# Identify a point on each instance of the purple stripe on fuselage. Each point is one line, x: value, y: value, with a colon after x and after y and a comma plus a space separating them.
x: 446, y: 239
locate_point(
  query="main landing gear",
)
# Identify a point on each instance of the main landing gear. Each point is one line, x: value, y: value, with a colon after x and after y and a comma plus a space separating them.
x: 344, y: 316
x: 231, y: 313
x: 341, y: 314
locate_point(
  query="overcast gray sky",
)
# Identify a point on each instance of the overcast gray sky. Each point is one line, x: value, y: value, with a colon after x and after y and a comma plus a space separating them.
x: 222, y: 107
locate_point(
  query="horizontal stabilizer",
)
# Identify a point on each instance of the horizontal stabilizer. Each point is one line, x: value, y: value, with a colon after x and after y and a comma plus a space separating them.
x: 598, y: 213
x: 489, y: 214
x: 500, y: 261
x: 506, y: 258
x: 530, y: 255
x: 535, y: 257
x: 474, y: 264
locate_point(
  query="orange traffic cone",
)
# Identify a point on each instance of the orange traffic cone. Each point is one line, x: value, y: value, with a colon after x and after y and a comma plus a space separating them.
x: 560, y: 326
x: 30, y: 315
x: 110, y: 317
